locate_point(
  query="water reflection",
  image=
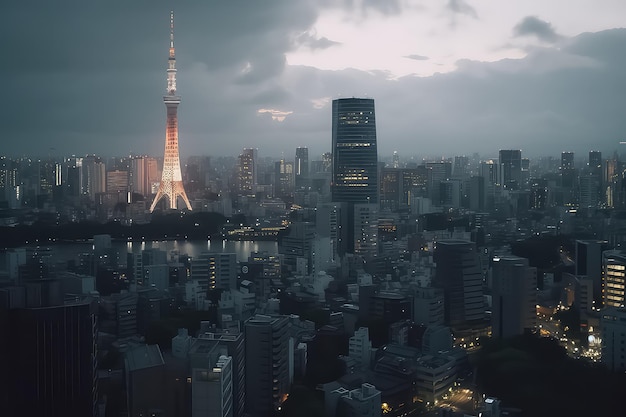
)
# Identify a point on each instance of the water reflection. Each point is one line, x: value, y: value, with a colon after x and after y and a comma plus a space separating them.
x: 68, y: 251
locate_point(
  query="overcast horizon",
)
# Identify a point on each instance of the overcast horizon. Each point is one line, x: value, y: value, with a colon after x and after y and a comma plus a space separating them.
x: 451, y: 78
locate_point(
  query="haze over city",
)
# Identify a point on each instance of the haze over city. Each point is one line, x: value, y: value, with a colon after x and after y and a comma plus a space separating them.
x: 462, y: 75
x: 313, y: 208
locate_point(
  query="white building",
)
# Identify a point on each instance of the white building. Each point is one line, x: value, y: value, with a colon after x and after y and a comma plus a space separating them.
x: 360, y: 348
x: 360, y: 402
x: 215, y: 270
x: 613, y: 278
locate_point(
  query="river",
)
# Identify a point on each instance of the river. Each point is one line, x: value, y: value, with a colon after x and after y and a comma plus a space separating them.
x: 61, y: 252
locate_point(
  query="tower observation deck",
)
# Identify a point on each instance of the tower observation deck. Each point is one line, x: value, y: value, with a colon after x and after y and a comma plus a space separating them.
x: 171, y: 185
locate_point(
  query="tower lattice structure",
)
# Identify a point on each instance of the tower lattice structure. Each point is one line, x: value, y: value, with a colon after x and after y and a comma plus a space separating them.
x: 171, y: 185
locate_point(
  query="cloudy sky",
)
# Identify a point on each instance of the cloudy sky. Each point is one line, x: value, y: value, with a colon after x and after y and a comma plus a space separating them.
x: 449, y: 77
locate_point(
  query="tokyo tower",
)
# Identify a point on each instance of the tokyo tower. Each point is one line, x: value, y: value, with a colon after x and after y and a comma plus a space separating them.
x: 171, y: 185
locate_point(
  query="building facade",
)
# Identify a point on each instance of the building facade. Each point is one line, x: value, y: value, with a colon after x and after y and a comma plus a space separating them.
x: 514, y: 296
x: 267, y: 363
x: 355, y: 151
x: 613, y: 331
x: 458, y: 274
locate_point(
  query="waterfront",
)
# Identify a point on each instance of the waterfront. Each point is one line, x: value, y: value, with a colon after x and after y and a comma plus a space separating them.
x: 62, y: 252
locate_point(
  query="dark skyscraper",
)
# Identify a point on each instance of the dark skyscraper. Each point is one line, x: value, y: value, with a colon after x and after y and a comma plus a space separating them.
x: 458, y: 274
x: 514, y: 296
x: 511, y: 168
x: 301, y: 167
x: 355, y: 152
x: 567, y: 160
x: 595, y: 163
x: 47, y: 355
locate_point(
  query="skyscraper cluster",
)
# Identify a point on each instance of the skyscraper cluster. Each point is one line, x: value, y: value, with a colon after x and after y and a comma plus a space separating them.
x: 368, y: 280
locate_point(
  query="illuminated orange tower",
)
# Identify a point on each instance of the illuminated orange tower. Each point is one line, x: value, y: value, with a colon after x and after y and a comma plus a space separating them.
x: 171, y: 185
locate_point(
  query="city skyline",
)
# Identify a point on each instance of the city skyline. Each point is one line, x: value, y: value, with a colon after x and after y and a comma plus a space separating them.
x: 473, y: 78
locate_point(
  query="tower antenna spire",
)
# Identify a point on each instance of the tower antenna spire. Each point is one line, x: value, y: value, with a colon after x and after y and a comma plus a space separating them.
x: 171, y: 185
x: 171, y: 66
x: 172, y: 30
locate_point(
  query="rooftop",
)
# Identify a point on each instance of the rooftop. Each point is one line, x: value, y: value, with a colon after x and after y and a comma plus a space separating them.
x: 144, y: 356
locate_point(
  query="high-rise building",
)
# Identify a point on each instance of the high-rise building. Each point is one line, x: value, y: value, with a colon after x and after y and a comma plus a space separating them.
x: 567, y: 160
x: 460, y: 168
x: 365, y: 231
x: 117, y: 182
x: 355, y: 152
x: 489, y: 170
x: 613, y: 278
x: 525, y: 173
x: 267, y: 363
x: 331, y: 222
x: 390, y: 188
x: 428, y: 306
x: 450, y: 193
x: 171, y: 185
x: 233, y: 343
x: 297, y: 248
x: 355, y: 165
x: 514, y: 296
x: 398, y: 186
x: 215, y: 270
x: 567, y: 170
x: 589, y: 264
x: 247, y: 172
x: 47, y: 357
x: 613, y: 333
x: 437, y: 172
x: 477, y: 193
x: 93, y: 176
x: 283, y: 179
x: 301, y: 167
x: 142, y: 175
x: 212, y: 385
x: 511, y: 168
x: 591, y: 184
x: 595, y: 163
x: 459, y: 274
x: 589, y: 191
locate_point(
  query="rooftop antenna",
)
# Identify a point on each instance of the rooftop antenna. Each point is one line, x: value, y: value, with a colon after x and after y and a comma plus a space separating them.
x: 172, y: 33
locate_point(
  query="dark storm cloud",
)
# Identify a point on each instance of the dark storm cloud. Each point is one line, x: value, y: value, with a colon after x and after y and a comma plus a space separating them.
x: 89, y: 77
x: 384, y: 6
x: 387, y: 7
x: 417, y: 57
x: 533, y: 26
x: 461, y: 7
x: 314, y: 42
x: 550, y: 101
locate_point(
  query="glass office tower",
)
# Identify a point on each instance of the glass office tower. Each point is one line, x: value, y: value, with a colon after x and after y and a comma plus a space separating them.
x: 355, y: 153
